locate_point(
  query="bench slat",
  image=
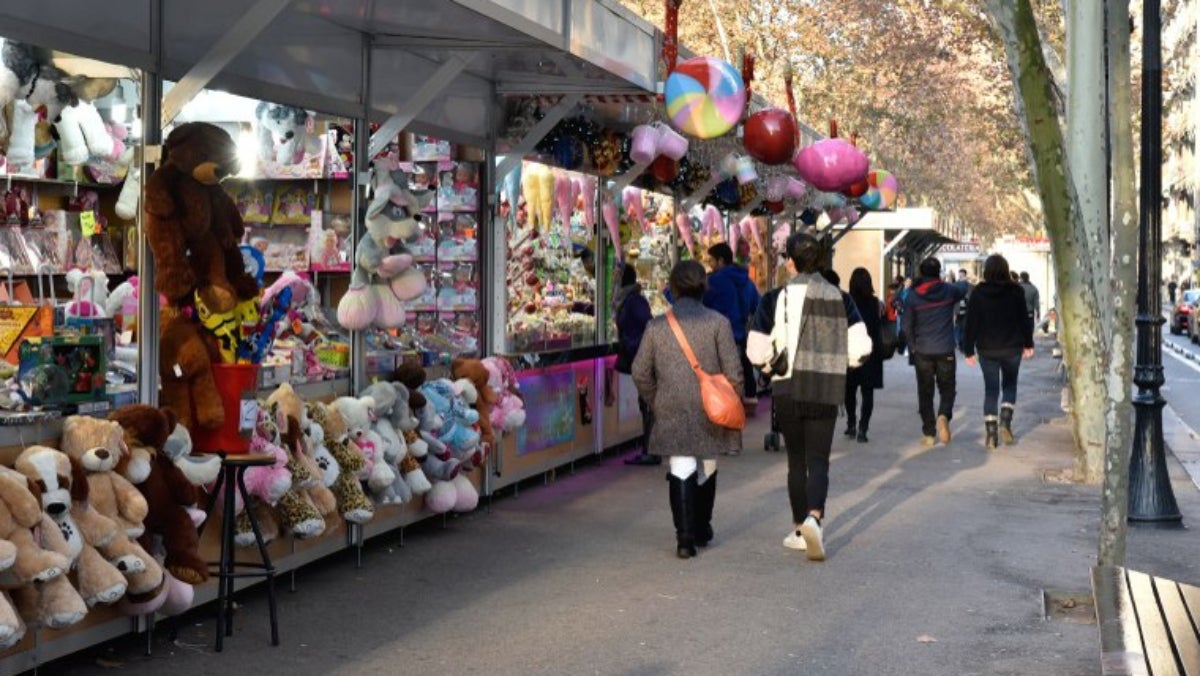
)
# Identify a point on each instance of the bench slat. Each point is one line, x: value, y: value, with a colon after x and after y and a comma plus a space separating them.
x: 1121, y: 651
x: 1183, y: 634
x: 1191, y: 597
x: 1154, y: 631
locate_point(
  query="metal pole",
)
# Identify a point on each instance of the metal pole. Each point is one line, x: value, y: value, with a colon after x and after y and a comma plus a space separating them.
x: 152, y: 135
x: 1151, y: 499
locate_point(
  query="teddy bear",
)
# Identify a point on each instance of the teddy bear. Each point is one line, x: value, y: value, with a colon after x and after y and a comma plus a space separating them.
x: 456, y: 431
x: 95, y: 446
x: 477, y: 374
x: 384, y: 276
x: 168, y: 491
x: 508, y: 412
x: 353, y: 503
x: 64, y: 494
x: 52, y: 602
x: 294, y: 424
x: 293, y: 509
x: 377, y: 474
x: 192, y: 225
x: 391, y: 407
x: 185, y: 358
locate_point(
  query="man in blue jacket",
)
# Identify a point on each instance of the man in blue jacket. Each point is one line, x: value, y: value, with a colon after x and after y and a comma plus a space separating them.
x: 929, y: 328
x: 731, y: 293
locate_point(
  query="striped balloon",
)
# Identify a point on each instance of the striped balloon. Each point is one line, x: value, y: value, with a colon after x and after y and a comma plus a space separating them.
x: 705, y: 97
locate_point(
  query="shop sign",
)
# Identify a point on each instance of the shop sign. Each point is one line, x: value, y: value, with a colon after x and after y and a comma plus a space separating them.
x: 1024, y: 244
x: 968, y: 248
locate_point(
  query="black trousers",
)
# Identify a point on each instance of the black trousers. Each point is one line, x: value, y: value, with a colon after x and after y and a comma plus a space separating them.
x: 809, y: 442
x: 647, y: 423
x: 934, y: 370
x: 854, y: 383
x: 749, y: 375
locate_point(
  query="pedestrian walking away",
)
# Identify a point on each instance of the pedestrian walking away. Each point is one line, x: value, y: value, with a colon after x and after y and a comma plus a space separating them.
x: 1033, y: 301
x: 1172, y: 286
x: 632, y: 315
x: 808, y: 352
x: 997, y: 331
x: 682, y: 431
x: 733, y: 294
x: 960, y: 311
x: 869, y: 377
x: 929, y: 327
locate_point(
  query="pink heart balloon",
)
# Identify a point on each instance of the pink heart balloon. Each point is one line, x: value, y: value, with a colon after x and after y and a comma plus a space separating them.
x: 832, y: 165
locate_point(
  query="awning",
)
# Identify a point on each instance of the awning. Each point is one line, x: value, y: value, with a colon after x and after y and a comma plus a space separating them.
x: 333, y: 56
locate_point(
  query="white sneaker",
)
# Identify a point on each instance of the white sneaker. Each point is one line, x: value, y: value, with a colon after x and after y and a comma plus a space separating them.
x: 814, y: 546
x: 794, y: 541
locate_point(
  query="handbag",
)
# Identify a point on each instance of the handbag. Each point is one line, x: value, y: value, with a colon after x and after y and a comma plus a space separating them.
x: 721, y: 403
x: 887, y: 338
x: 778, y: 364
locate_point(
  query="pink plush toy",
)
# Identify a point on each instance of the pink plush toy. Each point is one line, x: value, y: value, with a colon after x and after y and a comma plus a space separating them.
x: 635, y: 208
x: 684, y: 223
x: 267, y: 483
x: 586, y: 187
x: 611, y: 220
x: 442, y: 497
x: 508, y: 413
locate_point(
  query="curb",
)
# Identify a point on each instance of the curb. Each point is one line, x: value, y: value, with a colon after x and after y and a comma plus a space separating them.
x: 1190, y: 355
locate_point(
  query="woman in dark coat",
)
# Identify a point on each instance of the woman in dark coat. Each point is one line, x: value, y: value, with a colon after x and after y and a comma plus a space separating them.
x: 681, y: 430
x: 633, y: 313
x: 869, y: 376
x: 999, y: 331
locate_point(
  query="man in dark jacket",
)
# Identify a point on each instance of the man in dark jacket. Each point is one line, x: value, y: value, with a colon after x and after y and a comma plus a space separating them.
x: 929, y: 327
x: 731, y: 293
x: 1033, y: 301
x: 632, y: 315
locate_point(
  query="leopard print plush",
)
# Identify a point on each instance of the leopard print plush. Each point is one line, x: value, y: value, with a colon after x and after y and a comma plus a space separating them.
x: 352, y: 500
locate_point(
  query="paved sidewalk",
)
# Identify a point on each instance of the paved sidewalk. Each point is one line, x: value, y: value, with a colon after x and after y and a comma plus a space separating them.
x: 937, y: 562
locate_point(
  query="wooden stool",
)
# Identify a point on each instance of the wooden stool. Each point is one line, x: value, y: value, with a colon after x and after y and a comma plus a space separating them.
x: 232, y: 478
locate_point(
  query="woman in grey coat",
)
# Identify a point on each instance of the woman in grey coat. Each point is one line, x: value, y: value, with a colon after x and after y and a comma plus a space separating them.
x: 681, y: 430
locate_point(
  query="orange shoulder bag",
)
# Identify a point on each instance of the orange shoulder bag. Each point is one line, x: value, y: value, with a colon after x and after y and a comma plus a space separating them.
x: 721, y: 403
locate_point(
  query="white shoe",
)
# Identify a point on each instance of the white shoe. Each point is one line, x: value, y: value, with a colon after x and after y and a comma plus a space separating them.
x: 795, y: 541
x: 814, y: 546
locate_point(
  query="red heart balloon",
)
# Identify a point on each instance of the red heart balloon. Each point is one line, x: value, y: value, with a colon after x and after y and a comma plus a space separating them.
x: 770, y: 136
x: 774, y: 207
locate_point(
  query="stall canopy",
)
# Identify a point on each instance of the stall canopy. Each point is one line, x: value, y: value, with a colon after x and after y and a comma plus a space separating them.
x: 436, y: 65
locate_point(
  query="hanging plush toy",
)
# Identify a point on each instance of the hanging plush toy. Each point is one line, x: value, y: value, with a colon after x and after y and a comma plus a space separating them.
x: 384, y: 276
x: 283, y: 136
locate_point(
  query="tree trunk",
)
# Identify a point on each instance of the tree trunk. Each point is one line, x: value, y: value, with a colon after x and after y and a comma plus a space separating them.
x: 1077, y: 303
x: 1124, y: 224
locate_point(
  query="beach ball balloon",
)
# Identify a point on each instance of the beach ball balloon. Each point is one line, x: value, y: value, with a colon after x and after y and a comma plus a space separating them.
x: 770, y: 136
x: 882, y: 191
x: 705, y: 97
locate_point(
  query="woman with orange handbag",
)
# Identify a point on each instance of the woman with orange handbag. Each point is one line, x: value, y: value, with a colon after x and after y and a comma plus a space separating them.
x: 682, y: 429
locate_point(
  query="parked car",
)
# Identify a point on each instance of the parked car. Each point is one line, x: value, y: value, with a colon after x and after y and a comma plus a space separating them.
x: 1182, y: 312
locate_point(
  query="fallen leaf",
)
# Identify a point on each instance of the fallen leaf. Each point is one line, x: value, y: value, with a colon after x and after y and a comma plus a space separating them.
x: 926, y: 638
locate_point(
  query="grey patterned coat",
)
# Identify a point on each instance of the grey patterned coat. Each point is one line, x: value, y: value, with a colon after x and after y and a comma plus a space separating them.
x: 666, y: 381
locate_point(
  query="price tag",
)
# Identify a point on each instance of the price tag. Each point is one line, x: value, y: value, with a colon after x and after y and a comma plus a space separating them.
x: 87, y: 223
x: 248, y: 417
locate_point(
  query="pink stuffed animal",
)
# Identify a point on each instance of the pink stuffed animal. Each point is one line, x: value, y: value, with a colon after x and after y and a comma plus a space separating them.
x: 508, y: 413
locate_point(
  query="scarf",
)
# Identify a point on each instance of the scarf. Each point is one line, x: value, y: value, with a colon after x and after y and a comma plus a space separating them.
x: 817, y: 343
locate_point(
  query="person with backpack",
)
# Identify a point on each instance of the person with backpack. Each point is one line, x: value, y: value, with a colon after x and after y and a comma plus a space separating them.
x: 929, y: 327
x: 632, y: 315
x: 733, y: 294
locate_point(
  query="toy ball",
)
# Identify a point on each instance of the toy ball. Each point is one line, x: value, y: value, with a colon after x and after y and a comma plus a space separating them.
x: 705, y: 97
x: 882, y: 190
x: 770, y: 136
x: 831, y: 165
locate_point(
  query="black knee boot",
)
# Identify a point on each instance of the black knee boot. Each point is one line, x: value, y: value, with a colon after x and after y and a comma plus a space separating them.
x: 991, y: 440
x: 683, y: 508
x: 1006, y: 416
x: 706, y: 495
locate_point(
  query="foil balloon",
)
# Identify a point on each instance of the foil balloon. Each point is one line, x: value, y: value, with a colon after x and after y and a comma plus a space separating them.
x: 831, y: 165
x: 705, y: 97
x: 711, y: 222
x: 587, y: 190
x: 770, y: 136
x: 882, y: 192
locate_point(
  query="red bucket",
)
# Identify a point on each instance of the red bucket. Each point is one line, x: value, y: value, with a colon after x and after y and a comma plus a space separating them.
x: 235, y: 383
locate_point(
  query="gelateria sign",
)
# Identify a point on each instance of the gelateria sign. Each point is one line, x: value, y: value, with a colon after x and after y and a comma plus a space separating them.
x: 1022, y: 245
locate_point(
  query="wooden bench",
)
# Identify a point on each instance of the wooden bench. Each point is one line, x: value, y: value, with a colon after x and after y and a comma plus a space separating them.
x: 1148, y: 624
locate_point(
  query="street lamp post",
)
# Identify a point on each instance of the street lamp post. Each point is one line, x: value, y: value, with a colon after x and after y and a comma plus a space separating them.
x: 1151, y: 499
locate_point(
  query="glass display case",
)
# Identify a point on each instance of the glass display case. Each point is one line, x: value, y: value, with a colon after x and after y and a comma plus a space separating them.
x: 648, y: 243
x: 549, y: 220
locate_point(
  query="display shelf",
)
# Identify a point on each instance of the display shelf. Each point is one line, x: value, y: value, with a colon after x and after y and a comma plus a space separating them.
x: 318, y: 390
x: 43, y: 180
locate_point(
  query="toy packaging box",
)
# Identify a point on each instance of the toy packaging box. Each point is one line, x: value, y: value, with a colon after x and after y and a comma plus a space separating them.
x: 62, y: 370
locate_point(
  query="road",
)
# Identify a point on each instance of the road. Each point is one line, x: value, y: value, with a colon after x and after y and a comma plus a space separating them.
x: 1182, y: 377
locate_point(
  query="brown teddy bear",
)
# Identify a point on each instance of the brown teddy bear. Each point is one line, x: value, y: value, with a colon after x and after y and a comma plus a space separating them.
x: 474, y: 371
x: 166, y: 489
x: 192, y: 225
x: 64, y: 493
x: 96, y: 447
x: 52, y: 602
x: 185, y: 358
